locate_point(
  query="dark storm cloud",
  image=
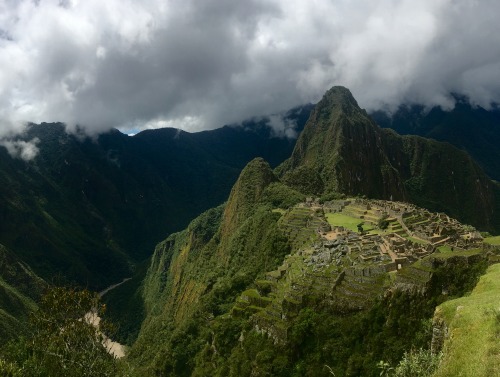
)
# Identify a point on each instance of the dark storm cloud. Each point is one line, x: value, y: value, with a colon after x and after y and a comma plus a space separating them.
x: 202, y: 64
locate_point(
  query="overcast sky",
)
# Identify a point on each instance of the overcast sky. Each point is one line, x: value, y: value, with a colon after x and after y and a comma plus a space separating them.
x: 201, y: 64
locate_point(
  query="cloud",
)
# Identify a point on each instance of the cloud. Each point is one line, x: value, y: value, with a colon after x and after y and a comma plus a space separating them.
x: 199, y: 65
x: 282, y: 126
x: 25, y: 150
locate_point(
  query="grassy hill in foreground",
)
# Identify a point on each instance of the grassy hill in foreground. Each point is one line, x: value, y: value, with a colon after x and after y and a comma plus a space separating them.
x: 472, y: 327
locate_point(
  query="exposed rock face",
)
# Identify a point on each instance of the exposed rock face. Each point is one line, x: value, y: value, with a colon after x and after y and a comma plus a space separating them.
x: 341, y: 149
x: 439, y: 333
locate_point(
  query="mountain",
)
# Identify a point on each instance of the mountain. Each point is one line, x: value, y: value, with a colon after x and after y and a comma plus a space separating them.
x: 197, y: 273
x: 257, y: 287
x: 274, y: 283
x: 20, y: 288
x: 342, y: 150
x: 321, y: 266
x: 86, y: 210
x: 470, y: 128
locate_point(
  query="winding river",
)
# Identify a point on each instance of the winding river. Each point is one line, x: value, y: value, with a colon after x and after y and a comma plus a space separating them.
x: 114, y: 348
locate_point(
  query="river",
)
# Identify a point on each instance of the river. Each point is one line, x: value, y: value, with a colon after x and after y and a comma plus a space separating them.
x: 114, y: 348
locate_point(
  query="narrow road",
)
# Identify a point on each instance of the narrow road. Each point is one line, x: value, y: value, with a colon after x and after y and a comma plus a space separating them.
x: 111, y: 287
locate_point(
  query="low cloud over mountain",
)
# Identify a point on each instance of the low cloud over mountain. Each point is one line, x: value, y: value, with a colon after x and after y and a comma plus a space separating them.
x: 198, y: 65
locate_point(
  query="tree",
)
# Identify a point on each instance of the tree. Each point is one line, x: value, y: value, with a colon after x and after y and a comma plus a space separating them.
x: 383, y: 223
x: 360, y: 227
x: 63, y: 341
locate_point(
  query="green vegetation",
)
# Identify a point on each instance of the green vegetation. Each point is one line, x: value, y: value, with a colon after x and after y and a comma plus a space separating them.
x: 340, y: 219
x: 383, y: 223
x: 349, y: 222
x: 446, y: 252
x: 94, y: 207
x: 281, y: 196
x: 327, y: 159
x: 420, y: 363
x: 19, y: 289
x: 125, y: 307
x: 197, y: 274
x: 493, y: 240
x: 455, y: 126
x: 207, y: 291
x: 350, y: 343
x: 474, y: 325
x: 61, y: 340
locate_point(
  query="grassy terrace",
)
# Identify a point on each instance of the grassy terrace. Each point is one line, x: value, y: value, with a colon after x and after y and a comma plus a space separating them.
x: 416, y: 240
x: 493, y: 240
x: 445, y: 252
x: 477, y: 314
x: 348, y: 222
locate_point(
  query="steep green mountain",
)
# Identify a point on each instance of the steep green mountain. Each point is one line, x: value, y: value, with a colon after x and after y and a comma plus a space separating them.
x: 198, y: 272
x: 471, y: 128
x: 342, y: 150
x: 273, y: 282
x: 19, y: 290
x: 86, y: 210
x: 263, y: 286
x: 254, y: 288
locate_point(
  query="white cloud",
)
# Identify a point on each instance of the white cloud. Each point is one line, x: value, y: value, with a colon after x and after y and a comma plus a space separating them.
x: 282, y: 127
x: 25, y: 150
x: 198, y: 65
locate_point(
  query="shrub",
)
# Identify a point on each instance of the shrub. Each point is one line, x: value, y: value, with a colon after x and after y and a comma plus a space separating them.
x: 420, y: 363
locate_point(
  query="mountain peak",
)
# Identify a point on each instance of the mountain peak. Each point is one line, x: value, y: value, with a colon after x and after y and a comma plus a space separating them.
x: 342, y: 150
x: 340, y: 94
x: 337, y: 101
x: 247, y: 191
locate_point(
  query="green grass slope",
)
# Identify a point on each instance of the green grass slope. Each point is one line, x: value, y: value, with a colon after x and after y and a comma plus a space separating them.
x: 472, y: 347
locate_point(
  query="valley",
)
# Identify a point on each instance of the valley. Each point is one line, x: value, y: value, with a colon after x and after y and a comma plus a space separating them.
x: 338, y: 259
x: 249, y: 188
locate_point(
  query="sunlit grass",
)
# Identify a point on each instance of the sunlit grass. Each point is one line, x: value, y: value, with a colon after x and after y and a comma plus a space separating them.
x: 493, y: 240
x: 472, y: 347
x: 349, y: 222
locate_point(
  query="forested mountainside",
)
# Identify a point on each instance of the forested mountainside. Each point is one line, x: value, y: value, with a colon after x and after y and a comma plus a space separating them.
x: 470, y: 128
x: 274, y: 284
x: 277, y: 283
x: 342, y: 260
x: 342, y: 150
x: 20, y: 289
x: 94, y: 207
